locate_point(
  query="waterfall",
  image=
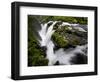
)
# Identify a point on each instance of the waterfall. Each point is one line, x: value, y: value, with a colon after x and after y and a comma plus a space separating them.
x: 46, y: 33
x: 61, y: 55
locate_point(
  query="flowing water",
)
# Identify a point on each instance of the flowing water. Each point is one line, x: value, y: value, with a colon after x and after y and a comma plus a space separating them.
x: 63, y: 56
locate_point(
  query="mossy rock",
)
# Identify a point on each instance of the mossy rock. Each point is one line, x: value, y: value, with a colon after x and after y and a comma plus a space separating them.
x: 36, y: 56
x: 38, y: 60
x: 60, y: 40
x: 73, y: 39
x: 65, y: 37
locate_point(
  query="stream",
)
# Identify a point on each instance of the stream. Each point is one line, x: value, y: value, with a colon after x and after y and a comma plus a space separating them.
x: 60, y: 56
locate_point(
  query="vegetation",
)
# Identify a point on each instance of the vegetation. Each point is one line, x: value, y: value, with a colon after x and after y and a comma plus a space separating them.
x: 36, y: 56
x: 60, y: 40
x: 80, y: 20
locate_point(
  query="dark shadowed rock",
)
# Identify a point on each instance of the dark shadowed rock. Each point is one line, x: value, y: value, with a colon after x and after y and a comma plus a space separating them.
x: 57, y: 63
x: 79, y: 59
x: 44, y: 48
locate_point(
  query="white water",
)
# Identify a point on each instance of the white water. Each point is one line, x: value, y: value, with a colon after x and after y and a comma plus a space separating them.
x: 75, y: 26
x: 46, y: 41
x: 64, y: 57
x: 60, y: 55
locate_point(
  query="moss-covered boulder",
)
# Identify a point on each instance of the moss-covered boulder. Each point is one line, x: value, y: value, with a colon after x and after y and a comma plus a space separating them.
x: 65, y: 37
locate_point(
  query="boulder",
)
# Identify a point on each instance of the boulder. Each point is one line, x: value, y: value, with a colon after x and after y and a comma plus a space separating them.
x: 66, y: 36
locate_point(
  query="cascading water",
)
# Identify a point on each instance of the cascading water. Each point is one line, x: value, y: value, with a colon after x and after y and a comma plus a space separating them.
x: 64, y: 57
x: 46, y: 41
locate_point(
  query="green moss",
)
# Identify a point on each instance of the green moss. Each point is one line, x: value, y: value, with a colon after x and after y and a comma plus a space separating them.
x: 36, y: 59
x: 80, y: 20
x: 39, y: 61
x: 60, y: 40
x: 36, y: 56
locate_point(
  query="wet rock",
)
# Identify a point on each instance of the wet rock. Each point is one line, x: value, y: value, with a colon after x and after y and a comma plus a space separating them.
x: 57, y: 63
x: 56, y: 48
x: 44, y: 50
x: 79, y: 58
x: 57, y: 25
x: 50, y: 23
x: 85, y: 50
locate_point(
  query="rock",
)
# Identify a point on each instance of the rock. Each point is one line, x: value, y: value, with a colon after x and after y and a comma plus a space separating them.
x: 50, y: 23
x: 67, y: 37
x: 57, y: 25
x: 79, y: 58
x: 57, y: 63
x: 79, y: 29
x: 59, y: 40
